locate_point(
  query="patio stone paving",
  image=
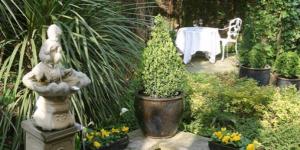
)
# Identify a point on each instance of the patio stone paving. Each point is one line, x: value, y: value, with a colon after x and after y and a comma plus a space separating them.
x: 200, y: 64
x: 181, y: 141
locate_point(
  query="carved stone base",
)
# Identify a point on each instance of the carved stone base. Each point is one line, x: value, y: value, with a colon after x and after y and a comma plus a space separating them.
x: 53, y: 113
x: 37, y: 139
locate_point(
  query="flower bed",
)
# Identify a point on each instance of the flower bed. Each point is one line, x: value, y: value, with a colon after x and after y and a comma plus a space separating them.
x: 227, y: 140
x: 106, y: 139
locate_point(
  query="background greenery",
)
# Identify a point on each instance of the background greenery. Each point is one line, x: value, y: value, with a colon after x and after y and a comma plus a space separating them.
x: 274, y: 24
x: 288, y: 65
x: 256, y: 57
x: 97, y: 39
x: 267, y: 114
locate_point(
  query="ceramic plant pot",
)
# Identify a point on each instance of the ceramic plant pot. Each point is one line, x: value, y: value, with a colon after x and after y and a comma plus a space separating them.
x: 262, y: 76
x: 284, y: 82
x: 218, y: 146
x: 159, y: 117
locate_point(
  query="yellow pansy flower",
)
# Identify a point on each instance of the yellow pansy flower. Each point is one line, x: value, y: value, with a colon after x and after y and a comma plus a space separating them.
x: 218, y: 134
x: 225, y: 139
x: 250, y: 147
x: 223, y: 129
x: 104, y: 133
x: 125, y: 129
x: 234, y: 134
x: 97, y: 144
x: 113, y: 130
x: 89, y: 137
x: 236, y: 138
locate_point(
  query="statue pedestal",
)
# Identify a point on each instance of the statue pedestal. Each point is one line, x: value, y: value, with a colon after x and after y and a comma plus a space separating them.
x: 37, y: 139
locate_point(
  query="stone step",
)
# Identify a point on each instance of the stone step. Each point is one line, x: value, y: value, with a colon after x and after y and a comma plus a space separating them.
x: 181, y: 141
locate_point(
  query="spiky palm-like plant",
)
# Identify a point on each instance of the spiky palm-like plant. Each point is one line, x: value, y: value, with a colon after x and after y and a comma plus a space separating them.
x: 97, y: 40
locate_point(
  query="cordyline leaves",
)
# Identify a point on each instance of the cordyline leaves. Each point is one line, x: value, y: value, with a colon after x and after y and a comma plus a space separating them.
x: 97, y: 40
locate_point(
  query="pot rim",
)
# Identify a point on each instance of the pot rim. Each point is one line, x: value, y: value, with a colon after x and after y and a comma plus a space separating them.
x: 227, y: 146
x: 149, y: 98
x: 288, y: 79
x: 259, y: 69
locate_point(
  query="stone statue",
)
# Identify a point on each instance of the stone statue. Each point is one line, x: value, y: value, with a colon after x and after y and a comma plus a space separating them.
x: 54, y: 84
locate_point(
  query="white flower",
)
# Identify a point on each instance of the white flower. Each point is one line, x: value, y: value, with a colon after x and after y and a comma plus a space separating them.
x: 123, y: 110
x: 91, y: 124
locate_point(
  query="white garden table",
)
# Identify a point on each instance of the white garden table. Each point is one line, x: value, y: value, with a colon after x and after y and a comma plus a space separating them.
x: 190, y: 40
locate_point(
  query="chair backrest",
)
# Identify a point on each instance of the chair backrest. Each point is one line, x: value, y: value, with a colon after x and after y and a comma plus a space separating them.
x: 234, y: 28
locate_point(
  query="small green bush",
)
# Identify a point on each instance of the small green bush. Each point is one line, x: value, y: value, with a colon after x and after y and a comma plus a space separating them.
x: 257, y: 57
x: 287, y: 64
x: 162, y: 72
x: 6, y: 97
x: 268, y: 114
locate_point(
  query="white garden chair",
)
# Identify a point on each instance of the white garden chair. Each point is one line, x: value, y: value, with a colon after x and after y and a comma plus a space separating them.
x: 232, y: 35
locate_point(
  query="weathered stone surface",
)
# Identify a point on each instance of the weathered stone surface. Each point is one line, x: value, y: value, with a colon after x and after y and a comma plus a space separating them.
x: 200, y: 64
x: 54, y: 84
x: 37, y: 139
x: 181, y: 141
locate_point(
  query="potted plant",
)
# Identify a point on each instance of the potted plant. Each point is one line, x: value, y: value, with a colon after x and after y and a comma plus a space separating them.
x: 287, y: 68
x: 226, y: 140
x: 255, y: 64
x: 159, y: 105
x: 106, y: 139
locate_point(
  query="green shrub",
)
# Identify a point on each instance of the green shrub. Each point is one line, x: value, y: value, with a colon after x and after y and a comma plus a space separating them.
x: 267, y: 114
x: 287, y: 64
x: 284, y: 137
x: 257, y: 57
x: 162, y: 72
x: 6, y: 97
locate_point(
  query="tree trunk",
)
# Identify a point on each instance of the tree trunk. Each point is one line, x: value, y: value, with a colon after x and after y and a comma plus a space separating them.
x: 141, y: 13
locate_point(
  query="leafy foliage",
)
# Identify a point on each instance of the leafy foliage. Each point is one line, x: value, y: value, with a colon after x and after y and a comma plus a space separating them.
x: 97, y: 40
x: 279, y: 29
x: 290, y: 24
x: 6, y: 97
x: 288, y: 65
x: 162, y: 72
x: 268, y: 114
x: 232, y: 139
x: 260, y: 36
x: 214, y: 13
x: 257, y: 57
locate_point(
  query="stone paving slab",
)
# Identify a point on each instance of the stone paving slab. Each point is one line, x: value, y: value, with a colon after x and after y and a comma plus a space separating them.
x: 200, y: 64
x: 181, y: 141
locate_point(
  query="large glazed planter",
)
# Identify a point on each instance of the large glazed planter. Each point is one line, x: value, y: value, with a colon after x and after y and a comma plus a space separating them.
x: 159, y: 117
x: 217, y: 146
x: 284, y: 82
x: 262, y: 76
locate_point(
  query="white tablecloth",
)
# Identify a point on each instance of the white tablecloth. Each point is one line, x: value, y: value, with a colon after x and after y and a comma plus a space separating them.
x: 189, y: 40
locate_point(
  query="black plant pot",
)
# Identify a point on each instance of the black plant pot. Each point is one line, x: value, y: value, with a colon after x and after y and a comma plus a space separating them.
x: 284, y: 82
x: 217, y: 146
x: 262, y: 76
x: 159, y: 117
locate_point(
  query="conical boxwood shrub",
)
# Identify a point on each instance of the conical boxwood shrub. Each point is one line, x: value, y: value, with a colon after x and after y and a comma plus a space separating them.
x: 163, y: 71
